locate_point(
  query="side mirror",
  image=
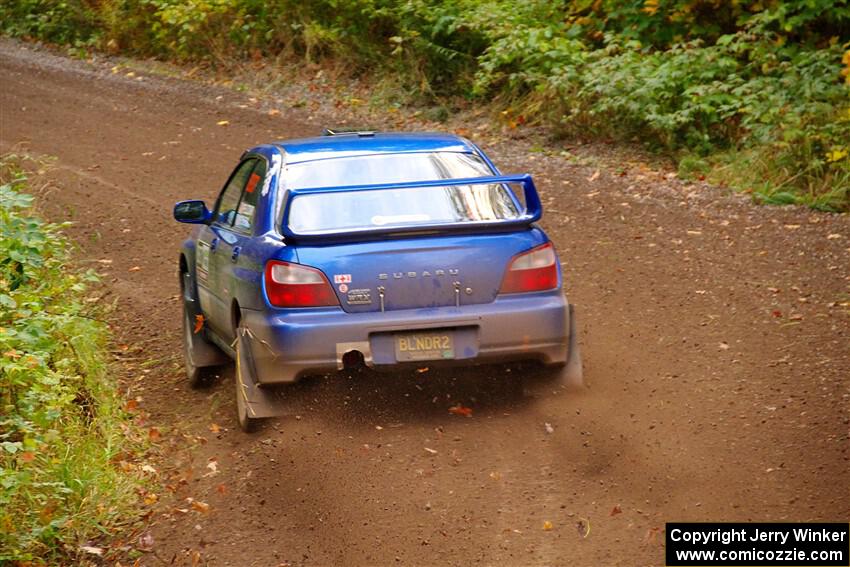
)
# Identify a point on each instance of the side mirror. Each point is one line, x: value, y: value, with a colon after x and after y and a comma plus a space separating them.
x: 192, y: 212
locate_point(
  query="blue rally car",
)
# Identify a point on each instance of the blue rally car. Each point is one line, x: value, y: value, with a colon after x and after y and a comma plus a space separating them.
x: 376, y: 249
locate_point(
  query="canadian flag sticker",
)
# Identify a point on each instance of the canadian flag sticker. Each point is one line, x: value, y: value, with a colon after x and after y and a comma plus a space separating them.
x: 342, y: 278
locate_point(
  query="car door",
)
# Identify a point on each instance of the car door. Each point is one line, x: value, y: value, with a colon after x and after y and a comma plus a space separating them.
x: 233, y: 269
x: 216, y: 246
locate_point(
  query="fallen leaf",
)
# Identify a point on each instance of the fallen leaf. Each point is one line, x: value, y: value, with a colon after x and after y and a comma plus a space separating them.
x: 495, y: 475
x: 221, y: 489
x: 422, y: 370
x: 430, y: 451
x: 548, y: 427
x: 223, y: 123
x: 134, y: 269
x: 131, y: 405
x: 201, y: 507
x: 616, y: 510
x: 583, y: 527
x: 146, y: 541
x: 776, y: 313
x: 213, y: 427
x: 274, y: 112
x: 833, y: 236
x: 652, y: 535
x: 148, y: 469
x: 199, y: 324
x: 595, y: 176
x: 27, y: 456
x: 90, y: 549
x: 153, y: 434
x: 461, y: 410
x: 547, y: 525
x: 46, y: 514
x: 151, y: 498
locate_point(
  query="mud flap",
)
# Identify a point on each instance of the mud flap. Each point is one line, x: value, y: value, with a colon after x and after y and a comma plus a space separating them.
x: 573, y: 372
x: 568, y: 374
x: 204, y: 353
x: 258, y: 402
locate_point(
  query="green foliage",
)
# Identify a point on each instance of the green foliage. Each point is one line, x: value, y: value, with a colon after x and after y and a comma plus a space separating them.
x: 415, y: 39
x: 61, y: 422
x: 770, y: 115
x: 664, y: 23
x: 757, y: 89
x: 743, y: 94
x: 59, y: 21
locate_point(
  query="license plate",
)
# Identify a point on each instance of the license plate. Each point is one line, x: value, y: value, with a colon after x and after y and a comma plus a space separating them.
x: 424, y: 346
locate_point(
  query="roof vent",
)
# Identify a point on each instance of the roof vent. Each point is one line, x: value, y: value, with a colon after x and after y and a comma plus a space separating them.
x: 348, y: 132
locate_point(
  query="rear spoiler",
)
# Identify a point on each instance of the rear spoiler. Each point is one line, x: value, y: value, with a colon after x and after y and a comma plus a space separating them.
x: 532, y: 213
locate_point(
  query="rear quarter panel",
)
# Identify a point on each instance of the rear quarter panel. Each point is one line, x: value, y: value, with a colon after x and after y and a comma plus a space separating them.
x: 249, y: 274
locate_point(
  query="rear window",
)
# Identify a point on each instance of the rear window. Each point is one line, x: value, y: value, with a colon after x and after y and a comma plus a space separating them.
x: 379, y: 208
x: 383, y: 168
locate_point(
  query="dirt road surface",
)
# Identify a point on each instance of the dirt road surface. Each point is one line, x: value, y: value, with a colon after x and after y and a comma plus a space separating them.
x: 716, y: 347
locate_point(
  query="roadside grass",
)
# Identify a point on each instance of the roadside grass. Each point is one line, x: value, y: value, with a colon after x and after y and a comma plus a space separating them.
x: 769, y: 181
x: 65, y: 439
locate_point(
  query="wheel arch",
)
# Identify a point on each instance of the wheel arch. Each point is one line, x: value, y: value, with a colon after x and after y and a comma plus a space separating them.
x: 186, y: 265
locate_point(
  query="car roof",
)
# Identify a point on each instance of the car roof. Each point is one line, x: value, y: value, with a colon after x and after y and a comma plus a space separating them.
x: 368, y: 143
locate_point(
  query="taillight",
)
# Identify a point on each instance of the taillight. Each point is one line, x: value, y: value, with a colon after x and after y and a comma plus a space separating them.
x: 535, y: 270
x: 294, y: 285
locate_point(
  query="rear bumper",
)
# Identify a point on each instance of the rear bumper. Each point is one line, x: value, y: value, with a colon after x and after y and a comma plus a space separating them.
x: 287, y: 345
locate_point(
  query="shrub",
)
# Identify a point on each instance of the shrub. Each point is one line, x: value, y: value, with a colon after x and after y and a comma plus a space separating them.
x: 769, y: 115
x: 59, y: 21
x: 62, y: 428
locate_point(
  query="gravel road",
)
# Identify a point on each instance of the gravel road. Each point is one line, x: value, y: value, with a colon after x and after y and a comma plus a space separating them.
x: 715, y: 335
